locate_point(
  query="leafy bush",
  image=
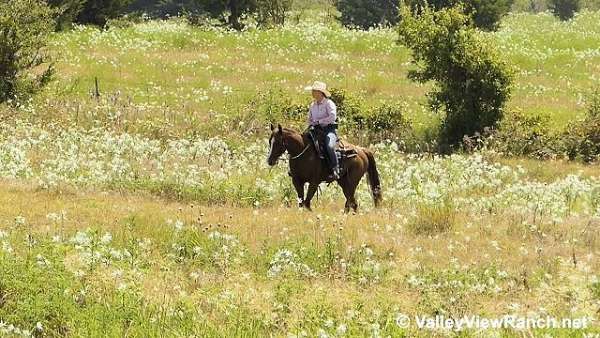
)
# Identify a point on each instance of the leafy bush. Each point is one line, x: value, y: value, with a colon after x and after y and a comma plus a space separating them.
x: 523, y: 135
x: 98, y: 12
x: 24, y: 29
x: 582, y: 137
x: 366, y: 14
x: 272, y: 12
x: 387, y: 122
x: 488, y: 13
x: 472, y: 82
x: 348, y: 108
x: 272, y: 106
x: 485, y: 14
x: 383, y: 122
x: 564, y: 9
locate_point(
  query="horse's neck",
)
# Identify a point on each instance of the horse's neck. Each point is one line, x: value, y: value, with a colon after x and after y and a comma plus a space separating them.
x: 295, y: 143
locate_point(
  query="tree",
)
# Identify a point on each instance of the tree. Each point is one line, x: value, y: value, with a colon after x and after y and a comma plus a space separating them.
x: 272, y: 12
x: 24, y: 29
x: 366, y: 14
x: 472, y: 82
x: 485, y: 14
x: 564, y: 9
x: 97, y: 12
x: 231, y: 11
x: 67, y: 11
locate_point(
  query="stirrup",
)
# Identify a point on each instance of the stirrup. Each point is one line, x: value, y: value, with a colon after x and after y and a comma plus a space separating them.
x: 334, y: 175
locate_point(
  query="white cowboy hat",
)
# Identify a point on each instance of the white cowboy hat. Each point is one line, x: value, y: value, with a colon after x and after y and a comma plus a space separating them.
x: 320, y: 86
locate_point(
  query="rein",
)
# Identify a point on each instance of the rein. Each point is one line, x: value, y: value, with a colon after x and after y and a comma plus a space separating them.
x: 300, y: 155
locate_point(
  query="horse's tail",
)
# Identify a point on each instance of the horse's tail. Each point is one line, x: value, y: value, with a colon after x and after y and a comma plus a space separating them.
x: 373, y: 178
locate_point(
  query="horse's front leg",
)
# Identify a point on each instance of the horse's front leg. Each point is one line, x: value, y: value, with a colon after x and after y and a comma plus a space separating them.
x: 299, y: 185
x: 312, y: 189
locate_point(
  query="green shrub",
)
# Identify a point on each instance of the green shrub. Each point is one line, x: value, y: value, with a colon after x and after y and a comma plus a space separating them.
x: 472, y: 82
x: 564, y: 9
x: 275, y: 106
x: 520, y: 134
x: 272, y: 12
x: 582, y: 137
x: 98, y: 12
x: 366, y: 14
x: 387, y: 122
x: 24, y: 29
x: 349, y: 109
x: 381, y: 122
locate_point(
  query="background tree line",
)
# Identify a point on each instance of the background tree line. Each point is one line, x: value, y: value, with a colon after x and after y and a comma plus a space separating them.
x: 485, y: 14
x: 230, y: 12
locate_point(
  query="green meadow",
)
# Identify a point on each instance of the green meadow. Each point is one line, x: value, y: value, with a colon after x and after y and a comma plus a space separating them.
x: 168, y: 68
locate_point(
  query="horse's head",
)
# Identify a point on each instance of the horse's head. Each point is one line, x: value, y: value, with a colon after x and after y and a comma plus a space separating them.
x: 276, y: 145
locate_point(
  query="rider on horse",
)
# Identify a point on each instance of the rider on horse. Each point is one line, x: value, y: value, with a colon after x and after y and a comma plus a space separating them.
x: 322, y: 113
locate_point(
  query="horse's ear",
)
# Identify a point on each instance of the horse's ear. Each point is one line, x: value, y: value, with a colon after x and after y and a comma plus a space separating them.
x: 279, y: 128
x: 272, y: 127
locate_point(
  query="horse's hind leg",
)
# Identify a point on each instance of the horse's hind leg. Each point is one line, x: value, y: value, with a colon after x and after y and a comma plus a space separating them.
x: 299, y: 185
x: 349, y: 189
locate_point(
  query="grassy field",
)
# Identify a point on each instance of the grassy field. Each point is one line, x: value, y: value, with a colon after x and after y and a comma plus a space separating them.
x: 146, y: 213
x: 106, y: 234
x: 129, y: 264
x: 194, y: 76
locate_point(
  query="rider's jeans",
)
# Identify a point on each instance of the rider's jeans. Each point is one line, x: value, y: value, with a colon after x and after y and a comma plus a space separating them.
x: 330, y: 142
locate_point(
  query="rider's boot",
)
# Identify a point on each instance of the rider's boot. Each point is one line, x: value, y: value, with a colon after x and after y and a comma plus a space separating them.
x: 335, y: 174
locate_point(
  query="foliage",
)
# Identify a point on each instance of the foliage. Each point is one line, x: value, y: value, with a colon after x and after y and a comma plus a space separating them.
x: 98, y: 12
x: 230, y: 11
x: 522, y: 135
x: 564, y: 9
x: 272, y: 12
x: 472, y: 82
x: 485, y: 14
x: 532, y: 6
x: 67, y: 11
x: 582, y: 137
x: 367, y: 14
x: 386, y: 121
x: 24, y: 29
x: 164, y: 8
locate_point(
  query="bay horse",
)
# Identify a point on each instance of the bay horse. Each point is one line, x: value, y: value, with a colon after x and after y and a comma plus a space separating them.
x: 307, y: 167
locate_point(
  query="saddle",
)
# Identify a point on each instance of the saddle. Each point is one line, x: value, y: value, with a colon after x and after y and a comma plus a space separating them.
x: 317, y: 136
